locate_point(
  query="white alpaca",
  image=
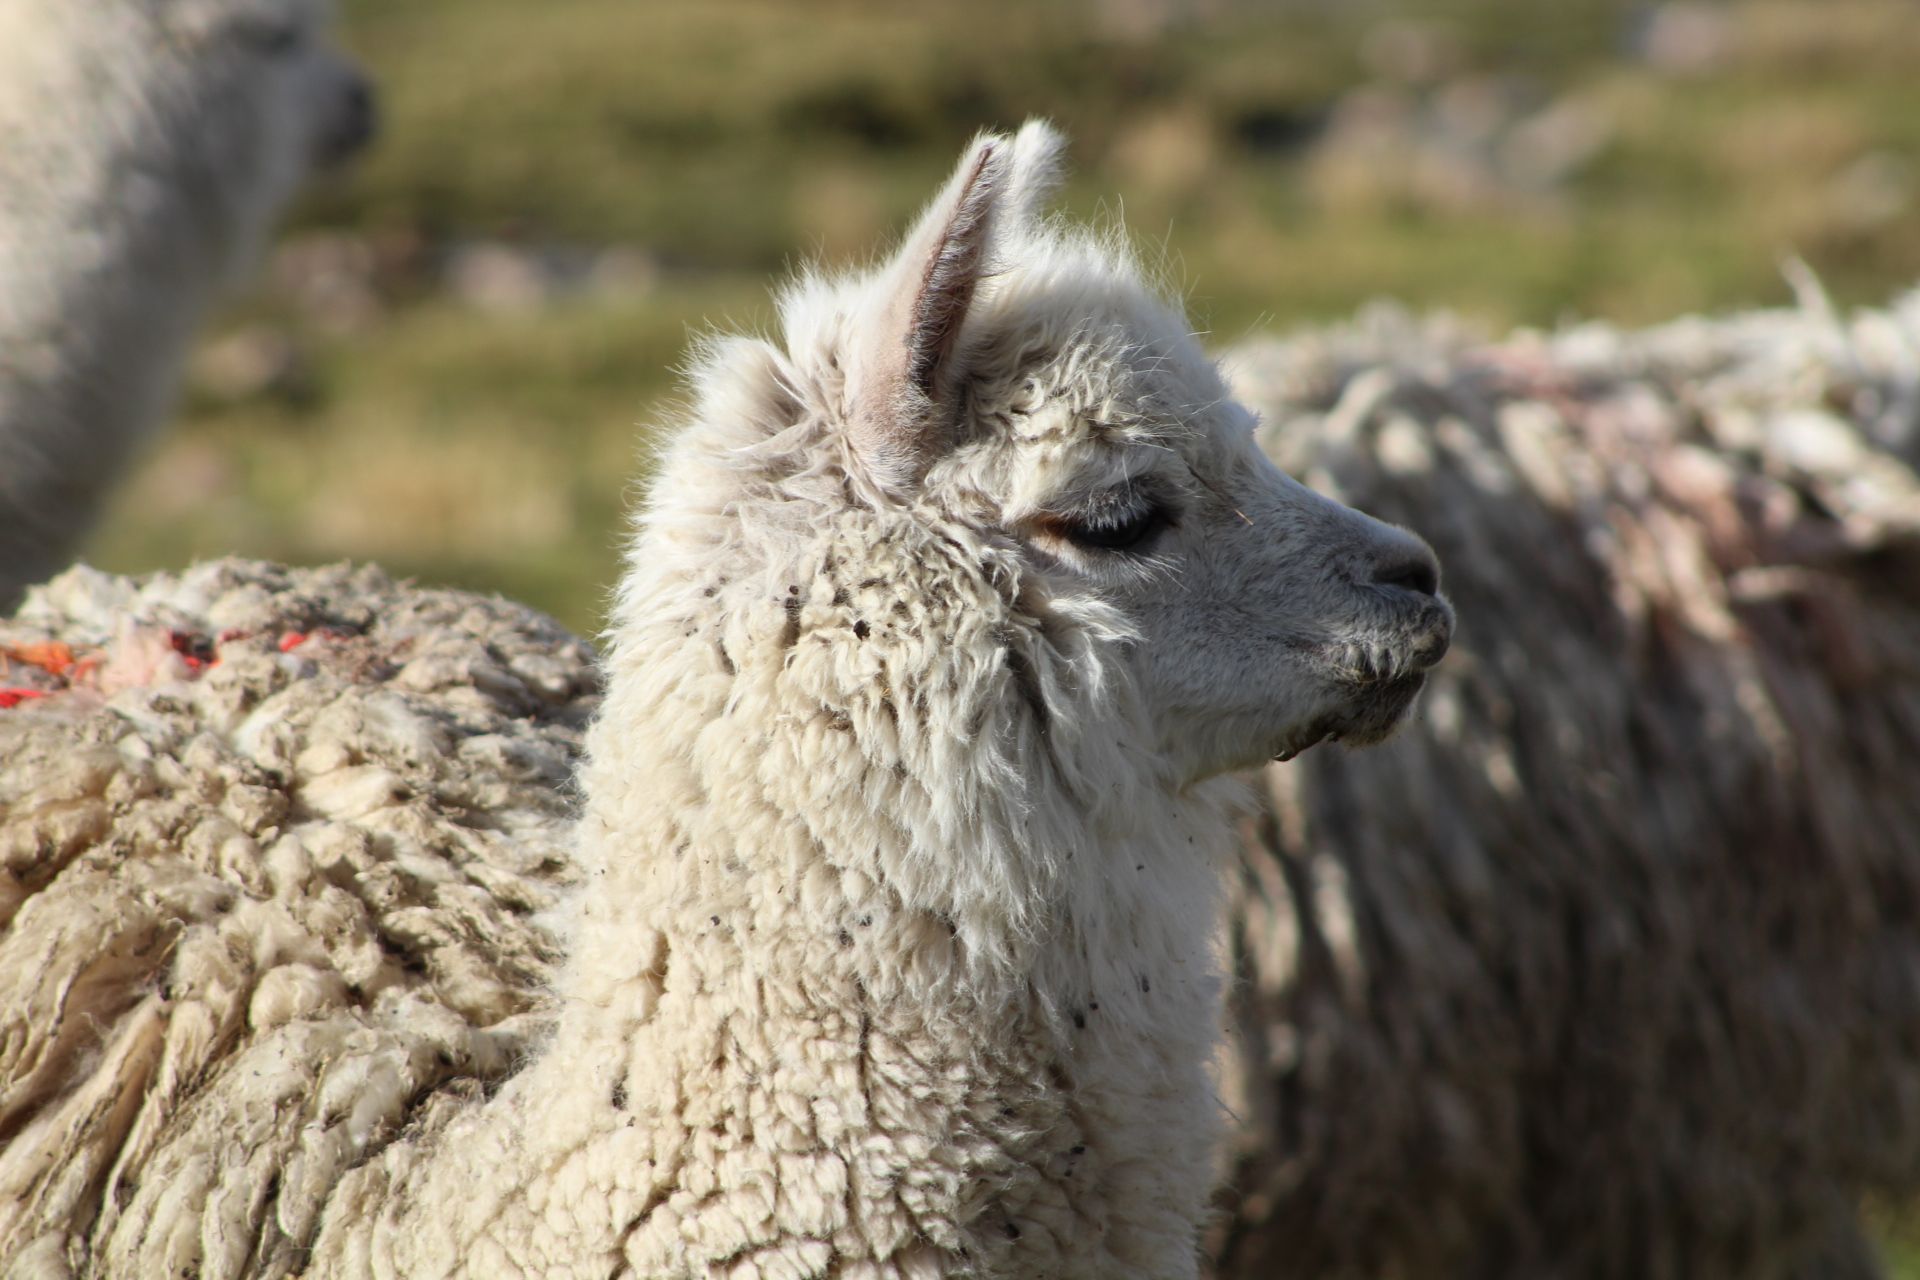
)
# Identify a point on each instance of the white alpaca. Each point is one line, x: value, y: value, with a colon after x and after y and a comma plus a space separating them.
x: 144, y: 145
x: 901, y: 856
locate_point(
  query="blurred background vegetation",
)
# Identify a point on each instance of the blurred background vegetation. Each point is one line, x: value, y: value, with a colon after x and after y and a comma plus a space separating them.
x: 451, y: 361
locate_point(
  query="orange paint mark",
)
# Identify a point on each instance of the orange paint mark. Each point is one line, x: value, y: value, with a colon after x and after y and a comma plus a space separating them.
x: 49, y: 655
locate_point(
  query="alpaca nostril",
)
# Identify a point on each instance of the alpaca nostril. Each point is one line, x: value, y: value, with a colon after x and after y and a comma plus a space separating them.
x: 1417, y: 573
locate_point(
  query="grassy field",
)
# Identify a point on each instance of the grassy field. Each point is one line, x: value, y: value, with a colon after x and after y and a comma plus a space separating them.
x: 1284, y: 162
x: 392, y: 390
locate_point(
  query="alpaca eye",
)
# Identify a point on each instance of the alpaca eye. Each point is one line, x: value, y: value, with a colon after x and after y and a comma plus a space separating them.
x: 270, y: 37
x: 1123, y: 531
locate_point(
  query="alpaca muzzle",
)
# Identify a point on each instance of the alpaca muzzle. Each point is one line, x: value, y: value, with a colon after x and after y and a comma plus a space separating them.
x: 352, y: 125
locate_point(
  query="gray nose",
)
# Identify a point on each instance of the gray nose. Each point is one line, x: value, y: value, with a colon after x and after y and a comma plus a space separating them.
x: 1413, y: 569
x: 354, y: 123
x: 1406, y: 564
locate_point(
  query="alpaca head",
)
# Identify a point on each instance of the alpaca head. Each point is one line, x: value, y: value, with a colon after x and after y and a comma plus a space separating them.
x: 1022, y: 379
x: 265, y: 101
x: 1002, y: 517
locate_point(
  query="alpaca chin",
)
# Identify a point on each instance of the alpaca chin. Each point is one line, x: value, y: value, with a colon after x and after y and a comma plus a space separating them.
x: 1375, y: 710
x: 1380, y: 710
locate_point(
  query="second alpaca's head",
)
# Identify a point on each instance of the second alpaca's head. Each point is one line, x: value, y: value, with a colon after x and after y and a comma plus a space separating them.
x: 261, y: 100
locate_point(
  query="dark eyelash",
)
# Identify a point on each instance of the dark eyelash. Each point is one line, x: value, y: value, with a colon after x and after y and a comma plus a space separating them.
x: 1118, y: 532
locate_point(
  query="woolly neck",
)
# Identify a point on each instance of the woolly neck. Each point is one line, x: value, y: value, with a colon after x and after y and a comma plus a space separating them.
x: 868, y: 740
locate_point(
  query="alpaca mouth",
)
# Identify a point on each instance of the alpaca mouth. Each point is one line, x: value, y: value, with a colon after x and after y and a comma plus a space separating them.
x: 1411, y: 649
x: 1380, y: 678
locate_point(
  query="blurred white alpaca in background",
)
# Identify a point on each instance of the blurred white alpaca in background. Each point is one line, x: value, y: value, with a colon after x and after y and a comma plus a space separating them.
x: 144, y: 147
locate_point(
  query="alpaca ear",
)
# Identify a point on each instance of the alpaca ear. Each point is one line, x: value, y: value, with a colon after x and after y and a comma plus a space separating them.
x: 908, y: 365
x: 263, y: 24
x: 192, y: 20
x: 1037, y: 168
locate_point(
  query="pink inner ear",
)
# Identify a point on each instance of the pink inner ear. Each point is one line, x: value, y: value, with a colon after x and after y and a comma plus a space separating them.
x: 908, y: 341
x: 952, y: 272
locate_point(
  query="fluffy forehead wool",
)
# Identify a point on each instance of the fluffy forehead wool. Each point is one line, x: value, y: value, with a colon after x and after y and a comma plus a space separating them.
x: 1083, y: 387
x: 283, y: 10
x: 263, y: 30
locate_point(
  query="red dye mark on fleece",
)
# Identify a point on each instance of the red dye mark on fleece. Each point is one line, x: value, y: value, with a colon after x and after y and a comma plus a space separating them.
x: 50, y: 656
x: 291, y: 640
x: 195, y: 650
x: 11, y: 698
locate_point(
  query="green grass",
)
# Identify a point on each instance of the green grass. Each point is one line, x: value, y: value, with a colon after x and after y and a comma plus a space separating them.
x: 731, y: 139
x: 1899, y: 1237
